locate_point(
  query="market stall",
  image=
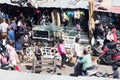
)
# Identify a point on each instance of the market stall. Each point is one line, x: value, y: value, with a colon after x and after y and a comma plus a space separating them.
x: 47, y: 32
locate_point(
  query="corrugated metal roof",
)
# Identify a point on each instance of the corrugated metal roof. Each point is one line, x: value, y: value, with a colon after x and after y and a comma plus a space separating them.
x: 64, y: 3
x: 57, y: 4
x: 7, y: 2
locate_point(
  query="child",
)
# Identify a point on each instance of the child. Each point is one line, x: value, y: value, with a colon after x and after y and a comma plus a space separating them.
x: 62, y: 52
x: 38, y: 52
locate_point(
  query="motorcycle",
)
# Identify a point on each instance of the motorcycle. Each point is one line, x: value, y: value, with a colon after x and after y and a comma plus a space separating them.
x: 110, y: 55
x: 97, y: 49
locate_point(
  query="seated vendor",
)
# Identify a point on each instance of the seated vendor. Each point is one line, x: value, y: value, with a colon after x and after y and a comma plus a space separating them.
x: 86, y: 61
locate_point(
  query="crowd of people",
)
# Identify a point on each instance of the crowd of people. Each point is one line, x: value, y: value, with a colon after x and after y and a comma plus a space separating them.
x: 13, y: 37
x: 103, y: 35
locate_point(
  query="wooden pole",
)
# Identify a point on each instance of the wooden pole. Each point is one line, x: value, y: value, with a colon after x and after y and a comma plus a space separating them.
x: 91, y: 19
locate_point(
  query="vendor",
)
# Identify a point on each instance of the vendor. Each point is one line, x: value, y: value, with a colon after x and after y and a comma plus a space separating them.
x: 86, y: 61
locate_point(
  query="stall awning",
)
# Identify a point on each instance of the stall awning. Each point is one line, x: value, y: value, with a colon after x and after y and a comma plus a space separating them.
x: 83, y: 4
x: 64, y: 4
x: 54, y: 4
x: 113, y: 9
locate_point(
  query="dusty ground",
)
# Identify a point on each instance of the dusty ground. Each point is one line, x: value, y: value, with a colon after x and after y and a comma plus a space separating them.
x: 27, y: 67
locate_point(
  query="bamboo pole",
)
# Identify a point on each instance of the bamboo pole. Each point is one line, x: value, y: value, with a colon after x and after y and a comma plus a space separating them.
x: 91, y: 19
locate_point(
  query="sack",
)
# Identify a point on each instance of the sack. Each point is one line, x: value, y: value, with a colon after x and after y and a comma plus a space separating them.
x: 73, y: 60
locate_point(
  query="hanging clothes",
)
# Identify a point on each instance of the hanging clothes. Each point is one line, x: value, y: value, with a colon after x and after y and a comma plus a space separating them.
x: 72, y: 13
x: 68, y: 13
x: 53, y: 17
x: 58, y: 19
x: 65, y: 17
x: 81, y: 13
x: 77, y: 14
